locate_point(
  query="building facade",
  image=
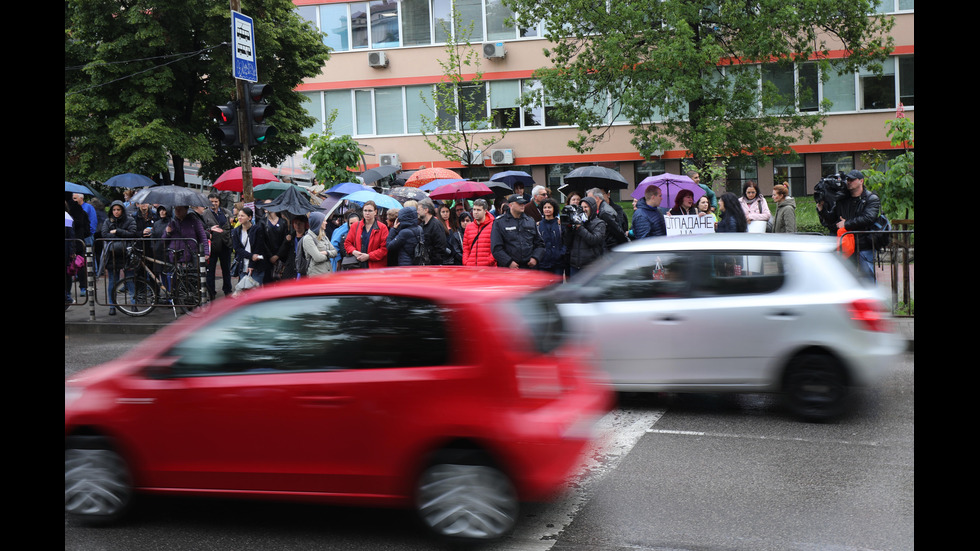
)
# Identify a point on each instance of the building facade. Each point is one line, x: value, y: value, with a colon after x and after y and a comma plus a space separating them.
x: 386, y: 59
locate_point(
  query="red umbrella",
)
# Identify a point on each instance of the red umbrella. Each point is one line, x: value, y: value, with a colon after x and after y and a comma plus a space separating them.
x: 426, y: 175
x: 232, y: 179
x: 460, y: 190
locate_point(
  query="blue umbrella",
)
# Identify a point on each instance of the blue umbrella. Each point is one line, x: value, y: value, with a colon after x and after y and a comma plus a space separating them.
x: 129, y: 180
x: 77, y: 188
x: 347, y: 188
x: 383, y: 201
x: 438, y: 183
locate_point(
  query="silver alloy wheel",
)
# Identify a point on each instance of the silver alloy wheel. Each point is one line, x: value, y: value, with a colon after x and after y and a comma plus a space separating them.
x: 97, y: 486
x: 467, y: 501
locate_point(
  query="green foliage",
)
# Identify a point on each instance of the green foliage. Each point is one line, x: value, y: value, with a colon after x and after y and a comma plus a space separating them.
x: 141, y: 78
x: 459, y: 105
x: 687, y: 73
x: 896, y: 185
x: 332, y: 156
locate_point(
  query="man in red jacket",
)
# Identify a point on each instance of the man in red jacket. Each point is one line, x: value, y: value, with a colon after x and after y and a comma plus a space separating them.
x: 476, y: 239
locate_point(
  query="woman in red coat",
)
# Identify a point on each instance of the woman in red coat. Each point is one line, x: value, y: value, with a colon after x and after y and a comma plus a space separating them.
x: 367, y: 239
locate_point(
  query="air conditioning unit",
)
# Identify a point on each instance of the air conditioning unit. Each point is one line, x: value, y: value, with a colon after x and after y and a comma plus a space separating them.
x: 472, y: 157
x: 494, y: 50
x: 389, y: 159
x: 378, y: 59
x: 502, y: 156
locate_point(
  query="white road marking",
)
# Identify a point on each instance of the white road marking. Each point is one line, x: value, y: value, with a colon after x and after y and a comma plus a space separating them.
x: 870, y: 443
x: 618, y: 432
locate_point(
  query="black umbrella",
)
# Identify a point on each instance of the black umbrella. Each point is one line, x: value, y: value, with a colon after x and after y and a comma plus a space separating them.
x: 595, y: 176
x: 403, y: 194
x: 291, y: 201
x: 511, y: 177
x: 173, y: 196
x: 375, y: 174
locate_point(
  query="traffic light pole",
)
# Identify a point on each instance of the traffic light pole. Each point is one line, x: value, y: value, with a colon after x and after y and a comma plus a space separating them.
x: 243, y: 131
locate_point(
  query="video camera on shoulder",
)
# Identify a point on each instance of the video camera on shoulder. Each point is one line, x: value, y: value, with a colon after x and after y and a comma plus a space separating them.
x: 830, y: 189
x: 572, y: 215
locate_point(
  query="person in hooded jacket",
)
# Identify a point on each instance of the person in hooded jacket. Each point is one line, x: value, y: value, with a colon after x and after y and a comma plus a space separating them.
x: 785, y: 219
x: 404, y: 236
x: 585, y: 242
x: 317, y: 247
x: 118, y: 225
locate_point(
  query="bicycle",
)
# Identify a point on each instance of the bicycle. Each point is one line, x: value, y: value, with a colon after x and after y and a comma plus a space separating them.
x: 140, y: 294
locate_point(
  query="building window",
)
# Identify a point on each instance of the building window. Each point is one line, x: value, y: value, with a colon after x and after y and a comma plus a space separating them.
x: 737, y: 176
x: 792, y: 172
x: 416, y: 23
x: 906, y: 80
x: 877, y: 92
x: 835, y: 163
x: 334, y: 23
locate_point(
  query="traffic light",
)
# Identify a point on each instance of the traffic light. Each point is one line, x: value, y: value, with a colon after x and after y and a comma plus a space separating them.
x: 227, y: 130
x: 257, y: 109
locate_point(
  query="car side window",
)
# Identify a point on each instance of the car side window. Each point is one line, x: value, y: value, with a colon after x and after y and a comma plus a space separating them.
x: 642, y: 276
x: 740, y: 273
x: 317, y: 334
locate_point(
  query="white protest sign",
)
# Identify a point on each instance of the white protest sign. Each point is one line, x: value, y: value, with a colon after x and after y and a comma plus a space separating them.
x: 689, y: 224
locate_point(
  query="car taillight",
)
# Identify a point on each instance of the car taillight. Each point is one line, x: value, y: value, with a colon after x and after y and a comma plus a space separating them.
x: 538, y: 380
x: 869, y: 314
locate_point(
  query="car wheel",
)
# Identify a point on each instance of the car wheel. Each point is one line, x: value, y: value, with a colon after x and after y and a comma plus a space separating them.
x: 98, y: 488
x: 816, y: 387
x: 466, y: 502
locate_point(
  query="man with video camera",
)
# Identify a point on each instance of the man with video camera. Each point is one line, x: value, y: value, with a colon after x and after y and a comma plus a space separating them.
x: 852, y: 209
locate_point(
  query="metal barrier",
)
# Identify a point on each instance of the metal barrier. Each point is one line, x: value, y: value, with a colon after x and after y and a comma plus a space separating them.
x: 893, y: 263
x: 150, y: 261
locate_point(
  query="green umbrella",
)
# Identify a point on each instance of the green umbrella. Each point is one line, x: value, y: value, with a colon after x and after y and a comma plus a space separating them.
x: 272, y: 190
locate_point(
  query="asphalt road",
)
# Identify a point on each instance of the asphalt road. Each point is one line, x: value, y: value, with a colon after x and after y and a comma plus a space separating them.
x: 669, y: 473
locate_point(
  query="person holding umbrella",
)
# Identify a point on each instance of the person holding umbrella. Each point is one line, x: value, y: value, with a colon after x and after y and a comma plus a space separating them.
x: 586, y: 237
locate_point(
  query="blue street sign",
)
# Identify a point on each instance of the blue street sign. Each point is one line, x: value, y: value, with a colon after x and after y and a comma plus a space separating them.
x: 243, y: 62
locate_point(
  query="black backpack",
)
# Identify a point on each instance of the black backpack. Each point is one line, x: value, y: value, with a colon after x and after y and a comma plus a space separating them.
x: 421, y: 255
x: 883, y: 239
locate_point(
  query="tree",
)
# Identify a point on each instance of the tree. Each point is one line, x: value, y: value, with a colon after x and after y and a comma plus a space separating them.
x: 707, y: 76
x: 459, y: 104
x: 141, y: 78
x: 332, y: 156
x: 896, y: 185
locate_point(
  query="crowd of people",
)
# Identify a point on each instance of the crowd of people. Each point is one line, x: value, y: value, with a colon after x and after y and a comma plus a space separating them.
x: 521, y: 231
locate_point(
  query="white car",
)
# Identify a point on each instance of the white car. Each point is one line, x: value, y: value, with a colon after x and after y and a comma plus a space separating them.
x: 734, y: 313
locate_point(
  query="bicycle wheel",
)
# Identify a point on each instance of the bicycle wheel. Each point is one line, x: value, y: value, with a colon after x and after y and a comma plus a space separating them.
x: 135, y: 296
x: 187, y: 293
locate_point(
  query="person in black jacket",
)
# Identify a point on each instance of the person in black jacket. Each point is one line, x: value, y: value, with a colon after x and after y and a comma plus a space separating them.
x: 117, y: 226
x: 515, y: 241
x: 586, y: 239
x: 435, y: 233
x: 403, y: 236
x: 616, y: 224
x: 857, y: 211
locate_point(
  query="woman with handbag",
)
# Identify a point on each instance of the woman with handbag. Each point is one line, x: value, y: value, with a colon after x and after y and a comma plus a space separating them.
x: 249, y: 251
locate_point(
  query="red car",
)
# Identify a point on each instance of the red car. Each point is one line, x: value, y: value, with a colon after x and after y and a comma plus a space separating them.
x: 453, y: 391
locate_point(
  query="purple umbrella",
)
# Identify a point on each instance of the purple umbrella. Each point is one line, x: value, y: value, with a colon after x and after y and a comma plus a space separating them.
x: 670, y: 185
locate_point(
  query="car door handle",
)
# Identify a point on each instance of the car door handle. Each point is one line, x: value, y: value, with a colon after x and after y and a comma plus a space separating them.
x: 325, y: 400
x: 669, y: 319
x: 783, y: 315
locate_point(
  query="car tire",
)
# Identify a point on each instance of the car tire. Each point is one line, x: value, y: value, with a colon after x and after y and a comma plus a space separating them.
x: 98, y: 486
x: 816, y: 387
x: 466, y: 500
